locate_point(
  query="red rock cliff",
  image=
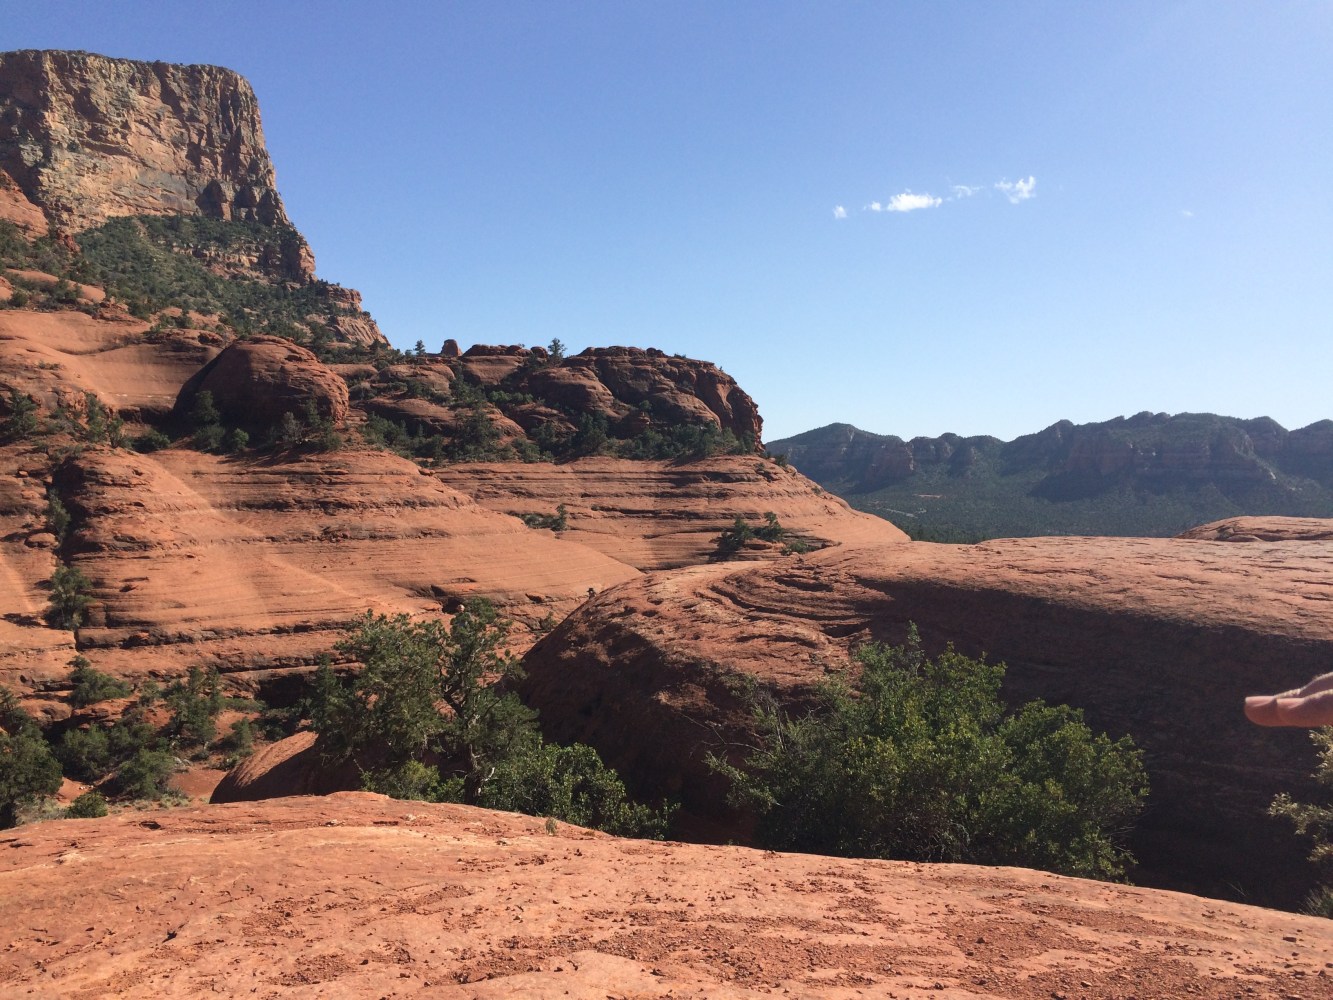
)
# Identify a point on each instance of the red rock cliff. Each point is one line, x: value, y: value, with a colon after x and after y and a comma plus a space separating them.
x: 88, y: 138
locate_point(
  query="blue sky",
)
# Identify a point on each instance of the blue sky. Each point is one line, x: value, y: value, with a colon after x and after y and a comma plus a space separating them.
x: 1113, y: 207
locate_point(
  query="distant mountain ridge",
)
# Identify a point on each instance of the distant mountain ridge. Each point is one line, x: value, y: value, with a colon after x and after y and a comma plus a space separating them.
x: 1151, y: 474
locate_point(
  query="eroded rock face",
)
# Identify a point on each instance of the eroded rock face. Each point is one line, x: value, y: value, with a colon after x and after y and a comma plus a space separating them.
x: 89, y: 138
x: 1264, y: 529
x: 254, y: 382
x: 365, y: 884
x: 653, y: 514
x: 1160, y: 639
x: 629, y: 387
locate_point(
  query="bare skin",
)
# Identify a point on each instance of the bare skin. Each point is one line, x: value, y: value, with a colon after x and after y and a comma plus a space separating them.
x: 1311, y: 705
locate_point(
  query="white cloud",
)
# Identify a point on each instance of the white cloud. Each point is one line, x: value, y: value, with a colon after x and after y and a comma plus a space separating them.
x: 964, y: 191
x: 909, y: 202
x: 1187, y: 213
x: 874, y: 206
x: 1017, y: 191
x: 839, y: 212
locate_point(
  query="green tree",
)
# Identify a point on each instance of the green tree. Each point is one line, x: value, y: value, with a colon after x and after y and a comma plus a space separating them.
x: 557, y: 349
x: 21, y: 423
x: 89, y: 686
x: 1315, y: 821
x: 921, y: 763
x: 204, y: 412
x: 571, y: 784
x: 195, y: 705
x: 412, y: 669
x: 71, y: 594
x: 28, y: 771
x: 89, y: 805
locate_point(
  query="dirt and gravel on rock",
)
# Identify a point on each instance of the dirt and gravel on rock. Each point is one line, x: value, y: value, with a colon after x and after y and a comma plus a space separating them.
x: 355, y: 895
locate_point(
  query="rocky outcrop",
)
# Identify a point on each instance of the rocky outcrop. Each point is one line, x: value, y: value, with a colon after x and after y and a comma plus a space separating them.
x: 359, y: 896
x: 89, y: 138
x: 1264, y: 529
x: 654, y: 514
x: 257, y: 564
x: 630, y: 388
x: 1156, y: 638
x: 255, y: 382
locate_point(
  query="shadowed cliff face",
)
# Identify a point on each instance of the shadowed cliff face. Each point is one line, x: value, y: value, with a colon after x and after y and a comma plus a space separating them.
x: 89, y: 138
x: 1160, y: 639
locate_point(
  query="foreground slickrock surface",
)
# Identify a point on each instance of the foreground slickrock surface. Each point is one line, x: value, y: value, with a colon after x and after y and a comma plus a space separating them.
x: 1160, y: 639
x: 356, y: 895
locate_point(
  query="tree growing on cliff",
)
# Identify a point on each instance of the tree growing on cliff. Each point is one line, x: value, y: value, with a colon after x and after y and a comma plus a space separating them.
x: 70, y: 597
x: 922, y: 763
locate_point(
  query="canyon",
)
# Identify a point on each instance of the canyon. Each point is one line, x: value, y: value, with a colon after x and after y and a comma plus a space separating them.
x: 239, y: 464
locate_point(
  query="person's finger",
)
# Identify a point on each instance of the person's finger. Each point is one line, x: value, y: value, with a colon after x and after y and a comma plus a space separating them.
x: 1262, y: 710
x: 1316, y: 710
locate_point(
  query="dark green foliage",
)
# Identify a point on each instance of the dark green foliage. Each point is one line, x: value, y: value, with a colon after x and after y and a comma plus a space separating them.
x: 21, y: 423
x: 571, y: 784
x: 89, y: 805
x: 85, y: 753
x: 1315, y: 821
x: 483, y: 748
x: 923, y: 764
x: 91, y: 686
x: 733, y: 539
x: 139, y: 261
x: 558, y: 521
x: 204, y: 412
x: 28, y: 771
x: 153, y: 440
x: 71, y: 594
x: 410, y: 668
x: 93, y: 753
x: 195, y: 705
x: 683, y: 441
x: 145, y: 774
x: 57, y: 516
x: 557, y: 350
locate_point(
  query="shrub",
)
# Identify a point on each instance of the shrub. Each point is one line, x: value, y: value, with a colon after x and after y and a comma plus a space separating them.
x: 387, y: 717
x: 21, y: 423
x: 1315, y: 821
x: 153, y: 440
x: 195, y: 705
x: 91, y: 686
x: 571, y: 784
x: 28, y: 771
x: 85, y: 754
x: 71, y: 594
x: 733, y: 539
x: 558, y: 521
x: 145, y: 775
x: 923, y: 764
x: 89, y: 805
x: 390, y: 710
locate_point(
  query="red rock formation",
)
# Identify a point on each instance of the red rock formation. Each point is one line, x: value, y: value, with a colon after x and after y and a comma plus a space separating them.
x: 1157, y: 638
x: 1264, y: 529
x: 89, y: 138
x: 358, y: 896
x: 254, y: 382
x: 662, y: 514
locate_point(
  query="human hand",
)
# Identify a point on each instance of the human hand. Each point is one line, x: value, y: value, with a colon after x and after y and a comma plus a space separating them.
x: 1311, y: 705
